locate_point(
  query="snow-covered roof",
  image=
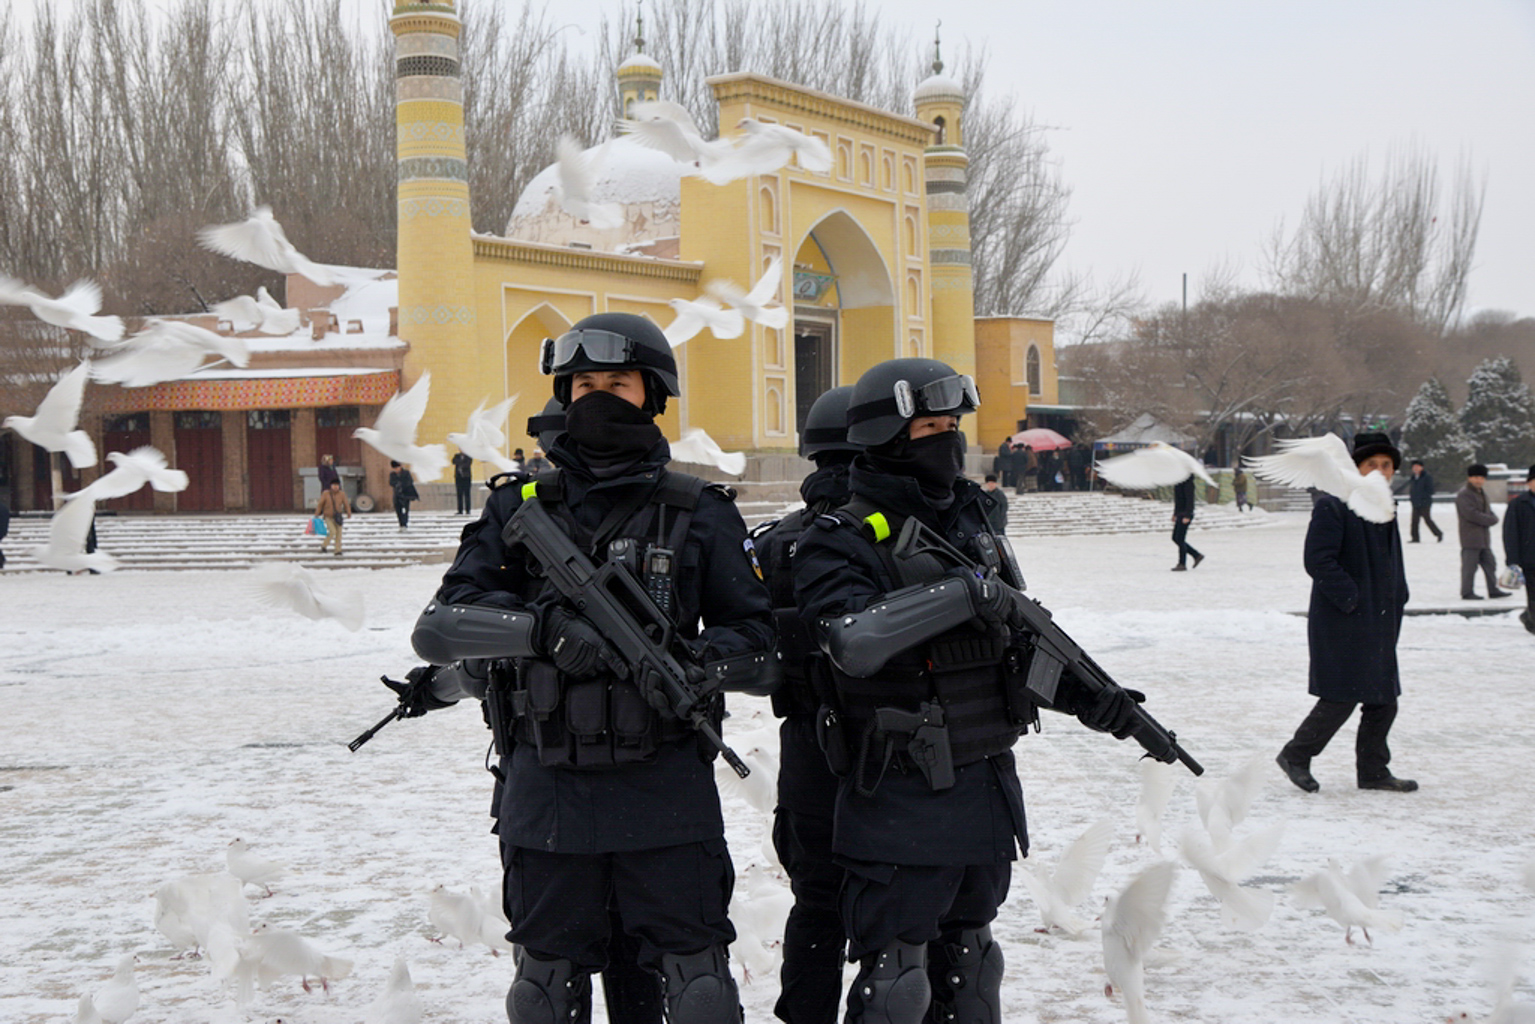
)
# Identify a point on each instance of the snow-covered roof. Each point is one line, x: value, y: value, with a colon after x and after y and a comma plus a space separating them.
x: 645, y: 183
x: 367, y: 301
x: 1147, y: 429
x: 938, y: 87
x: 640, y: 62
x: 282, y: 372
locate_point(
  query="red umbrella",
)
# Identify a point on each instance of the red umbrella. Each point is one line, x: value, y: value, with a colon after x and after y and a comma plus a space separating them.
x: 1040, y: 439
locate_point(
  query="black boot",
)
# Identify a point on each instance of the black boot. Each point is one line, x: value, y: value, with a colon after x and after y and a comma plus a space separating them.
x: 1389, y: 783
x: 1298, y: 773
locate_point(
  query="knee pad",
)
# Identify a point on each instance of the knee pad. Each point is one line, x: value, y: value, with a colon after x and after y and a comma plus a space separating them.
x: 967, y: 978
x: 699, y: 988
x: 549, y: 992
x: 892, y: 987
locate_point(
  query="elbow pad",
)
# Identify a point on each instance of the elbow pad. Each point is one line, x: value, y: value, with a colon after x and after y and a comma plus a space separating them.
x: 447, y: 633
x: 861, y: 643
x: 454, y: 682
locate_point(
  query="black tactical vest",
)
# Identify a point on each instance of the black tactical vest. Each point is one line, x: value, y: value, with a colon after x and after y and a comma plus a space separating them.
x: 806, y: 684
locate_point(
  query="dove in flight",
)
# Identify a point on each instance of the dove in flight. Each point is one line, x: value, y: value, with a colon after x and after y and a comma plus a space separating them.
x: 461, y: 916
x: 285, y: 585
x: 576, y: 189
x: 398, y: 1003
x: 261, y: 311
x: 693, y: 315
x: 1325, y: 463
x: 75, y: 310
x: 261, y: 240
x: 249, y: 868
x: 188, y: 908
x: 1160, y: 465
x: 700, y: 449
x: 67, y: 531
x: 55, y: 424
x: 1058, y: 890
x: 166, y: 350
x: 1222, y: 871
x: 669, y: 128
x: 1224, y: 803
x: 144, y: 465
x: 1350, y: 898
x: 754, y: 304
x: 1157, y: 782
x: 483, y: 438
x: 1132, y: 922
x: 394, y: 431
x: 281, y: 951
x: 118, y: 999
x: 764, y: 149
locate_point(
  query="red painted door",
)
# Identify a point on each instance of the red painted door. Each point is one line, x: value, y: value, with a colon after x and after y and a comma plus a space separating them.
x: 42, y: 477
x: 269, y: 449
x: 333, y: 434
x: 200, y: 453
x: 123, y: 434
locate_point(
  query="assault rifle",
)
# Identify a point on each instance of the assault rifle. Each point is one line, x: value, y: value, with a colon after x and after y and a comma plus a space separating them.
x: 644, y: 636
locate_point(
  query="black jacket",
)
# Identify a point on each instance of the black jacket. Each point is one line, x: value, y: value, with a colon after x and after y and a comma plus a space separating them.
x: 994, y: 504
x: 1518, y: 533
x: 1421, y: 490
x: 671, y: 800
x: 463, y: 466
x: 1358, y: 590
x: 1183, y: 499
x: 836, y: 570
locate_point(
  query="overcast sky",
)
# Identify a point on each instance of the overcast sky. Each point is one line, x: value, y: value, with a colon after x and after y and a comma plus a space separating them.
x: 1188, y: 128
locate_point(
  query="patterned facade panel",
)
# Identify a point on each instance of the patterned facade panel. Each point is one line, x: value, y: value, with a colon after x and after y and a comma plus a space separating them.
x: 418, y: 315
x: 950, y: 234
x: 420, y: 44
x: 435, y: 206
x: 944, y: 172
x: 422, y: 87
x: 257, y: 393
x: 952, y: 278
x: 433, y: 188
x: 429, y: 64
x: 444, y: 167
x: 948, y: 202
x: 951, y: 257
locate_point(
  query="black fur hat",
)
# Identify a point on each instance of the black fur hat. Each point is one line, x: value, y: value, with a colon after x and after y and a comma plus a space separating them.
x: 1376, y: 443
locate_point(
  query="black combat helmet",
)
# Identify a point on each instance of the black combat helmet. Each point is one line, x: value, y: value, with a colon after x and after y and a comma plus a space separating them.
x: 891, y: 394
x: 547, y: 426
x: 613, y: 341
x: 826, y: 425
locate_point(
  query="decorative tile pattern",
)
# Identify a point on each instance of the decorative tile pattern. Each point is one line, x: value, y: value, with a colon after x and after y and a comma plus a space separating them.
x: 436, y: 315
x: 410, y: 209
x: 443, y: 167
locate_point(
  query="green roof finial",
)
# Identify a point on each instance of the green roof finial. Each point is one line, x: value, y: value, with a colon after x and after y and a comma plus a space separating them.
x: 639, y: 29
x: 937, y: 55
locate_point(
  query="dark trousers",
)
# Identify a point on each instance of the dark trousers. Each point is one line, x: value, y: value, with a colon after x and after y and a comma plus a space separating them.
x: 1371, y: 754
x: 813, y: 941
x: 461, y: 490
x: 402, y: 513
x: 1424, y: 513
x: 1529, y: 599
x: 672, y: 900
x: 1180, y: 538
x: 1470, y: 560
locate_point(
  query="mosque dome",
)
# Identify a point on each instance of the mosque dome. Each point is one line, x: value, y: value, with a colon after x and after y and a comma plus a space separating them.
x: 938, y: 87
x: 645, y: 183
x: 640, y: 63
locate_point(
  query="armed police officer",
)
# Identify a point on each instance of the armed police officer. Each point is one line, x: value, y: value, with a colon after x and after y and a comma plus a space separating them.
x: 813, y: 941
x: 610, y: 799
x: 929, y: 808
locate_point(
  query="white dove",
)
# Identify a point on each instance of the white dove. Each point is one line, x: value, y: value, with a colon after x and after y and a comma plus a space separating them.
x: 75, y: 309
x: 1132, y: 922
x: 1157, y: 782
x: 700, y: 449
x: 280, y: 951
x: 249, y: 868
x: 668, y: 127
x: 166, y: 350
x: 261, y: 240
x: 760, y: 788
x: 54, y: 427
x: 1503, y: 973
x: 456, y: 915
x: 1224, y: 803
x: 1222, y: 871
x: 1352, y: 899
x: 577, y: 170
x: 262, y: 312
x: 693, y: 315
x: 285, y: 585
x: 763, y: 149
x: 118, y: 999
x: 394, y: 432
x: 67, y: 531
x: 144, y: 465
x: 233, y: 958
x: 1325, y: 463
x: 1160, y: 465
x: 188, y: 908
x: 754, y: 304
x: 493, y: 923
x: 759, y: 906
x: 398, y: 1003
x: 85, y: 1012
x: 1056, y: 892
x: 483, y: 438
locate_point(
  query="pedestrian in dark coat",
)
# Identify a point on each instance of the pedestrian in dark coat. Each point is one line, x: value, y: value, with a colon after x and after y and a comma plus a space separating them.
x: 1002, y: 465
x: 402, y: 487
x: 327, y: 473
x: 5, y: 526
x: 1518, y: 543
x: 463, y: 480
x: 1358, y: 591
x: 1476, y: 522
x: 1183, y: 515
x: 1420, y: 493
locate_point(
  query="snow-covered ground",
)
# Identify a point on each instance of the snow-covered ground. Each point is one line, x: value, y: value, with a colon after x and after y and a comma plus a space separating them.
x: 146, y: 719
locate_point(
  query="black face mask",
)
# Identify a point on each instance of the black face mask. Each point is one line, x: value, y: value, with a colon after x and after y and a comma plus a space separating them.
x: 610, y: 430
x: 934, y: 461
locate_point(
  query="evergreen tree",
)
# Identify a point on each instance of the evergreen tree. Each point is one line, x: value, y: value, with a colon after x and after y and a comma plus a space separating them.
x: 1499, y: 414
x: 1432, y: 433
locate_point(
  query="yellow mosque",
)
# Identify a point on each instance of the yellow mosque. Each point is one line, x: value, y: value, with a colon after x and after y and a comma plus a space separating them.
x: 879, y: 249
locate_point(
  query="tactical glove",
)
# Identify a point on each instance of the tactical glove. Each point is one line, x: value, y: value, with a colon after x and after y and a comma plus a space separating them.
x: 1113, y: 711
x: 577, y: 648
x: 415, y: 692
x: 993, y: 605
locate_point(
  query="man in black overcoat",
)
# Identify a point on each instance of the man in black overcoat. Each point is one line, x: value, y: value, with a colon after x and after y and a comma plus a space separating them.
x: 1518, y: 543
x: 1358, y: 591
x: 1421, y: 494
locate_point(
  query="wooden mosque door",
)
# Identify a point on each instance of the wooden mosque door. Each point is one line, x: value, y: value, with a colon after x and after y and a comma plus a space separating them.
x: 123, y: 434
x: 269, y: 454
x: 200, y: 453
x: 814, y: 358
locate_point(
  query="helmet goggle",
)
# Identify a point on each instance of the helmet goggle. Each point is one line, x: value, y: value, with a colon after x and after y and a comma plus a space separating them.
x: 936, y: 397
x: 558, y: 354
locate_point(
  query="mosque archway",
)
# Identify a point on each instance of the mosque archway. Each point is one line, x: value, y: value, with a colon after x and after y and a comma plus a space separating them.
x: 523, y: 344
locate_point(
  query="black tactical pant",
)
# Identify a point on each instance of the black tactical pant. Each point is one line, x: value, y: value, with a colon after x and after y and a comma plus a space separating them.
x: 672, y: 900
x: 1472, y: 559
x: 1371, y: 754
x: 1425, y: 513
x: 1180, y: 538
x: 461, y: 490
x: 813, y: 940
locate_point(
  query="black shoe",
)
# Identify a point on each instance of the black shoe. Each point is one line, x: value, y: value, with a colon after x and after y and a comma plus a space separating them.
x: 1298, y: 774
x: 1472, y: 597
x: 1413, y: 541
x: 1439, y: 538
x: 1500, y: 593
x: 1529, y: 623
x: 1389, y: 783
x: 1197, y: 560
x: 1180, y: 568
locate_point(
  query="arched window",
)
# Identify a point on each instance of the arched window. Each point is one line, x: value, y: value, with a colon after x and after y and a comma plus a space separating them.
x: 1031, y: 368
x: 629, y: 106
x: 940, y: 124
